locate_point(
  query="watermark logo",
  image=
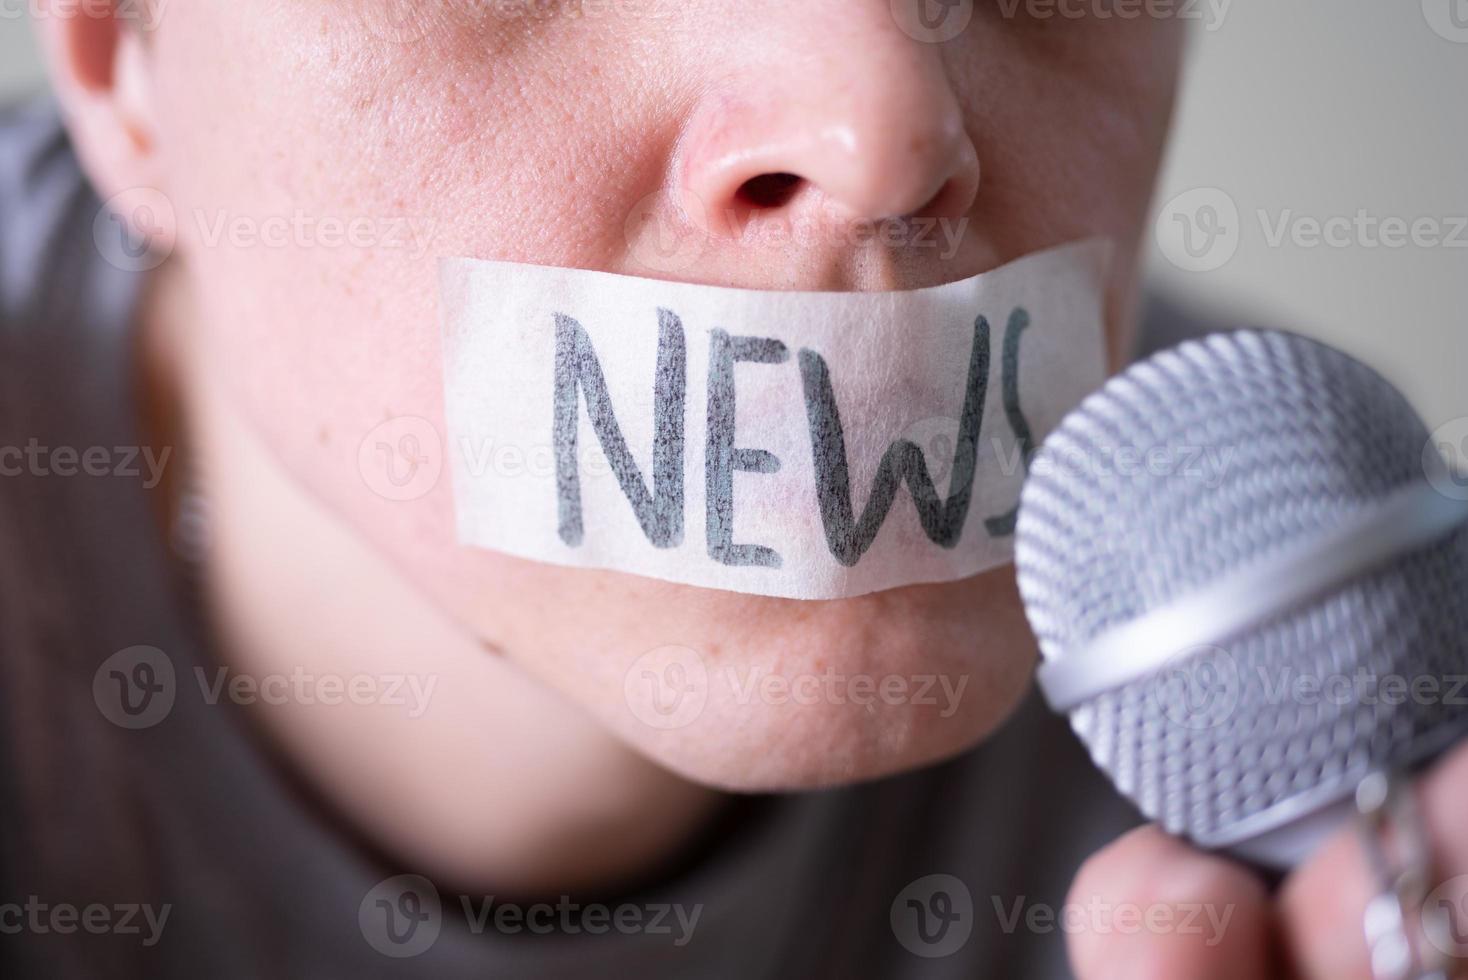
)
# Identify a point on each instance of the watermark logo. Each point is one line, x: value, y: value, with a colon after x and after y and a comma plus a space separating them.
x: 1445, y: 459
x: 134, y: 229
x: 1448, y: 19
x: 1198, y: 688
x: 933, y: 916
x: 401, y: 459
x: 1199, y: 230
x: 665, y: 233
x: 135, y: 688
x: 1445, y: 917
x: 667, y: 688
x: 932, y: 21
x: 401, y: 917
x: 938, y: 438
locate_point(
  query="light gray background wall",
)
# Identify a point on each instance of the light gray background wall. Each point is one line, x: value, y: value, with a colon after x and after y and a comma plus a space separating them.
x: 19, y: 66
x: 1306, y: 109
x: 1323, y: 108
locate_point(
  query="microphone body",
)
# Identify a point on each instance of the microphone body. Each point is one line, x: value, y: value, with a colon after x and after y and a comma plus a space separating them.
x: 1247, y: 569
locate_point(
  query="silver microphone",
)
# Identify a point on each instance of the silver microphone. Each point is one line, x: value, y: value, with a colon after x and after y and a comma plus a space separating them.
x: 1248, y: 572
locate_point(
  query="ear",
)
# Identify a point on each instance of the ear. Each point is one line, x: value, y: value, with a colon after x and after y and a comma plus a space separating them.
x: 99, y: 56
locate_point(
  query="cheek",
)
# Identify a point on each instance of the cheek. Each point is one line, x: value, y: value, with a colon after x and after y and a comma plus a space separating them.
x: 1070, y: 120
x: 332, y: 185
x: 340, y: 167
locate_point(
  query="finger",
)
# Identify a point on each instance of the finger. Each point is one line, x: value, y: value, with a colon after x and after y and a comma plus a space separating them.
x: 1150, y: 906
x: 1323, y: 904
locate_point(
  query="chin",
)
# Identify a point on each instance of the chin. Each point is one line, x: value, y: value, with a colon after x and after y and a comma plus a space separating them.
x: 808, y: 695
x: 750, y: 693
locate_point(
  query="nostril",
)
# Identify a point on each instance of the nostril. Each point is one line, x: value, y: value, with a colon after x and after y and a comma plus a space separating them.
x: 769, y: 190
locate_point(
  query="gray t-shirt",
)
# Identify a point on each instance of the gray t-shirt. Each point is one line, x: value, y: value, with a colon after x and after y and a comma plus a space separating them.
x: 259, y: 878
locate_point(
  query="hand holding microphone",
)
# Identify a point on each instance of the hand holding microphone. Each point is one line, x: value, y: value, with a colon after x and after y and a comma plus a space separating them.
x: 1261, y: 652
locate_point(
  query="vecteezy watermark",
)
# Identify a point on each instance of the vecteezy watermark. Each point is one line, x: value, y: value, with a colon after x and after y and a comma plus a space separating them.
x: 1207, y: 465
x: 135, y: 688
x: 832, y: 687
x: 674, y: 921
x: 1201, y: 230
x: 409, y: 234
x: 507, y: 459
x: 667, y: 233
x: 137, y: 230
x: 65, y: 919
x: 1448, y: 19
x: 143, y: 14
x: 1445, y: 917
x: 404, y: 915
x: 1198, y: 688
x: 1198, y: 230
x: 1362, y: 686
x: 941, y: 235
x: 402, y: 458
x: 401, y: 917
x: 937, y: 436
x: 1445, y: 459
x: 933, y: 916
x: 125, y: 462
x: 670, y: 686
x: 1209, y: 13
x: 667, y: 687
x: 1201, y: 688
x: 1363, y: 230
x: 1100, y: 917
x: 932, y: 21
x: 300, y: 686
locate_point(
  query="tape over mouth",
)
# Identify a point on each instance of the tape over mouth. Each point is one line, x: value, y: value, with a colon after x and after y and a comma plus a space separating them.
x: 808, y: 445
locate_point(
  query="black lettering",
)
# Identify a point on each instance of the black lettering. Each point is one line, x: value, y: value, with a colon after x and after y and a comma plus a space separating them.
x: 942, y: 520
x: 660, y: 513
x: 722, y: 458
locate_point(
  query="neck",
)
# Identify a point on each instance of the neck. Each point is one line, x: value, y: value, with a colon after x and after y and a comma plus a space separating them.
x: 441, y: 750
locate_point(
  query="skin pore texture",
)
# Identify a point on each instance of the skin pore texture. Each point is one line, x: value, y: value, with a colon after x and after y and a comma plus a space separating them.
x: 567, y: 140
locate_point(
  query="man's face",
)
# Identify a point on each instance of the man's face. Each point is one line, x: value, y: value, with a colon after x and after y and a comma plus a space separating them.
x: 320, y: 155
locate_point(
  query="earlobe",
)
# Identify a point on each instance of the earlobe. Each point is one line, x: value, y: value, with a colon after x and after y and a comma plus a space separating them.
x: 132, y: 91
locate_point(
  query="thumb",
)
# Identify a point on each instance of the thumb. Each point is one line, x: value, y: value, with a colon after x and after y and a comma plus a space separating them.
x: 1150, y: 906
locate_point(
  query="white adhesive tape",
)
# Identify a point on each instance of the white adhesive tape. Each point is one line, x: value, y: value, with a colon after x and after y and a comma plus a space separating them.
x: 798, y: 444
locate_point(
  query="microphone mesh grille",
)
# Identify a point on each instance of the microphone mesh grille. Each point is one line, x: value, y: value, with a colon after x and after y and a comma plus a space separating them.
x: 1189, y: 466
